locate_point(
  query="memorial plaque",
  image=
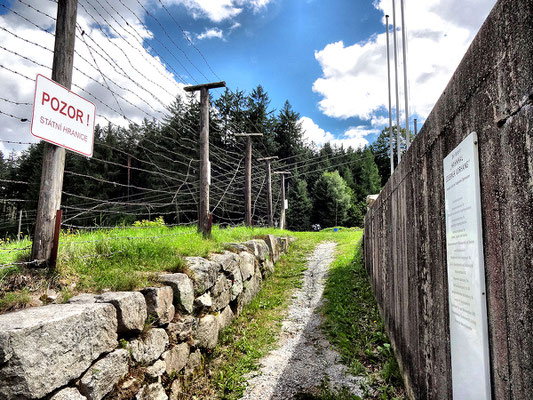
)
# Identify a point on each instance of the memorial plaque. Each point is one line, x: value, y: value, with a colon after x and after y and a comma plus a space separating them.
x: 466, y: 273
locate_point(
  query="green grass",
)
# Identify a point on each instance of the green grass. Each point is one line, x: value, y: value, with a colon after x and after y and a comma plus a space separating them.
x: 119, y: 259
x: 355, y: 327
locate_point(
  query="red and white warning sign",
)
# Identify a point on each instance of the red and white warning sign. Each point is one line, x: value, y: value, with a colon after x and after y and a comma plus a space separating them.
x: 62, y: 117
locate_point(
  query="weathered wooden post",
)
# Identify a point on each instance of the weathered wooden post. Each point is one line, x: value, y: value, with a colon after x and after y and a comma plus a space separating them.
x: 269, y: 189
x: 54, y: 156
x: 248, y: 177
x: 204, y: 225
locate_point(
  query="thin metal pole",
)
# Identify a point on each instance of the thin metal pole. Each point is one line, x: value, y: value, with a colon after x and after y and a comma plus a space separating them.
x: 405, y: 87
x: 398, y: 133
x: 390, y: 101
x: 416, y: 126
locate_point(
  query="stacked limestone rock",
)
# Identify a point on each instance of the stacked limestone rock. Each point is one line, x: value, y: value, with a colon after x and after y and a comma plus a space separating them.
x: 125, y: 343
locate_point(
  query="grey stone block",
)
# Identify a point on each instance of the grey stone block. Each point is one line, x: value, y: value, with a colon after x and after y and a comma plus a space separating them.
x: 156, y: 370
x: 102, y: 376
x: 150, y: 347
x: 159, y: 303
x: 83, y: 298
x: 207, y: 333
x: 225, y: 317
x: 203, y: 302
x: 176, y: 358
x: 131, y: 309
x: 183, y: 289
x: 273, y: 246
x: 203, y: 273
x: 194, y: 361
x: 227, y: 260
x: 246, y: 264
x: 258, y: 248
x: 44, y: 348
x: 183, y: 330
x: 154, y: 391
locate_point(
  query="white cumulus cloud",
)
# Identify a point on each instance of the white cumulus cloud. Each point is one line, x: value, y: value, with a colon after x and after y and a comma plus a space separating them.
x: 354, y: 137
x: 354, y: 81
x: 211, y: 33
x: 219, y: 10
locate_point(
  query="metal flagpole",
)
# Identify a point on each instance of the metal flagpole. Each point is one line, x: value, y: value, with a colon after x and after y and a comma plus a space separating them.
x: 390, y: 105
x: 398, y: 129
x: 405, y: 87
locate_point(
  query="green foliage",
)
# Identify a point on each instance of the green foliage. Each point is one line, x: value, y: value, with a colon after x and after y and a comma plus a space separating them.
x: 158, y: 222
x: 381, y: 150
x: 331, y: 200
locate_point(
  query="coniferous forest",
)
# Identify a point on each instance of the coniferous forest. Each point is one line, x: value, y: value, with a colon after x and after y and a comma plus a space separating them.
x: 149, y: 170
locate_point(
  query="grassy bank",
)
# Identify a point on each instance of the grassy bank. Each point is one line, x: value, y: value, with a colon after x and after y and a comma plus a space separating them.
x: 117, y: 259
x: 355, y: 327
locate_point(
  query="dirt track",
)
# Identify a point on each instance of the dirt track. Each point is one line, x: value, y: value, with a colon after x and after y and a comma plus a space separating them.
x: 305, y: 358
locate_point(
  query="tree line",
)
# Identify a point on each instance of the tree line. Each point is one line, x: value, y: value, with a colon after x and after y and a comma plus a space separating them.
x: 328, y: 184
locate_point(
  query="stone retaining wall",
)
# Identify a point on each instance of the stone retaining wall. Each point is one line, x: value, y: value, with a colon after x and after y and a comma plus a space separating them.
x: 126, y: 344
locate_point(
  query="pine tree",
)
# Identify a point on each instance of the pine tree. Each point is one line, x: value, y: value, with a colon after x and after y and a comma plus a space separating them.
x: 300, y: 206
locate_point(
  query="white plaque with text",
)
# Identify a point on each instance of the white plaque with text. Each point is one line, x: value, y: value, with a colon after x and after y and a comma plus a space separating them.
x: 466, y: 273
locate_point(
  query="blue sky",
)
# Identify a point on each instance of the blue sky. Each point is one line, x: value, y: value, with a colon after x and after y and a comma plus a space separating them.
x: 275, y: 47
x: 327, y: 58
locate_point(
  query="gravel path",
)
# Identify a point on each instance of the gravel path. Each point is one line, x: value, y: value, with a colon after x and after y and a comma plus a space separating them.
x: 304, y: 358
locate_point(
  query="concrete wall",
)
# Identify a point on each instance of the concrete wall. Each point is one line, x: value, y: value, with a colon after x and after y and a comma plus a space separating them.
x: 121, y: 345
x: 405, y: 245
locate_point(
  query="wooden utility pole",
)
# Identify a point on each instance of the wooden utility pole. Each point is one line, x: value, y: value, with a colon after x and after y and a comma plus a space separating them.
x: 204, y: 218
x: 283, y: 199
x: 248, y: 177
x: 129, y: 176
x: 54, y: 156
x: 269, y: 189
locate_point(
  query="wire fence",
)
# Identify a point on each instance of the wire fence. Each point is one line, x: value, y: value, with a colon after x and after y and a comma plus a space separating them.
x: 146, y: 161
